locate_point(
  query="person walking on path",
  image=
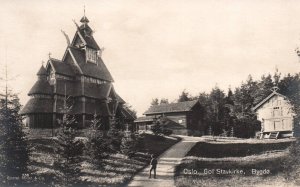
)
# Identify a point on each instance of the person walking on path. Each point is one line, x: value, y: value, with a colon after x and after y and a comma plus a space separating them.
x: 153, y: 164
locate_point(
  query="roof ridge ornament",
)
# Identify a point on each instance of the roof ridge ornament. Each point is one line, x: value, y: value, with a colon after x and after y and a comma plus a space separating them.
x: 67, y: 37
x: 274, y: 89
x: 75, y: 24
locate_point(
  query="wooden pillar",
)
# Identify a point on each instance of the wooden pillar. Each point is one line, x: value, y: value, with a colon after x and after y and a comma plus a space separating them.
x: 54, y: 112
x: 83, y: 120
x: 53, y: 123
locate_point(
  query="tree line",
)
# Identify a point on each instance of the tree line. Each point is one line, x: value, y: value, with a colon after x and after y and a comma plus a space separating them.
x: 230, y: 113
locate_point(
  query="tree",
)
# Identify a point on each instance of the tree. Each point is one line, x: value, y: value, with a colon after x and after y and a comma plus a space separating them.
x: 154, y: 102
x: 264, y: 87
x: 115, y: 136
x: 98, y: 146
x: 14, y: 151
x: 128, y: 144
x: 69, y: 148
x: 289, y: 86
x: 159, y: 127
x: 244, y: 98
x: 164, y: 101
x: 217, y: 103
x: 184, y: 96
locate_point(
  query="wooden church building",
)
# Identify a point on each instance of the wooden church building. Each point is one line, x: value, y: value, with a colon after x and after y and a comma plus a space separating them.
x: 82, y: 77
x: 276, y: 116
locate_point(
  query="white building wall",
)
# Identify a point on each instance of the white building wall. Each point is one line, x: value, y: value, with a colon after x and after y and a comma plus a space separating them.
x: 276, y: 115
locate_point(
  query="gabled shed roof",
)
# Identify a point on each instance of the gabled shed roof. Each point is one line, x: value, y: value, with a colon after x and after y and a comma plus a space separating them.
x: 173, y: 107
x: 266, y: 100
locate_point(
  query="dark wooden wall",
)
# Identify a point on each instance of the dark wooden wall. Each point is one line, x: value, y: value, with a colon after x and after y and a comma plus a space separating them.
x: 40, y: 120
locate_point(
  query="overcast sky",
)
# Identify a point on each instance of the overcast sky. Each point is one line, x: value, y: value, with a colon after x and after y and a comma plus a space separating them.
x: 157, y: 48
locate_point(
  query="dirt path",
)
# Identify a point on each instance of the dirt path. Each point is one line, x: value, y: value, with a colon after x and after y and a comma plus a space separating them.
x: 166, y: 164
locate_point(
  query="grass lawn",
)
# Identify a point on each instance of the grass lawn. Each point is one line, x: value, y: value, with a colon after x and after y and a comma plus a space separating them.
x: 117, y: 170
x: 235, y: 148
x: 157, y: 144
x: 249, y: 167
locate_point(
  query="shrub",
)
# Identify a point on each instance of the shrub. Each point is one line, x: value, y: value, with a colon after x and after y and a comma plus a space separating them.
x: 291, y: 163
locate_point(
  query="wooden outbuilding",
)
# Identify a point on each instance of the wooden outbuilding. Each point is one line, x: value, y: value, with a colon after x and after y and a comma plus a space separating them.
x: 276, y: 115
x: 184, y: 118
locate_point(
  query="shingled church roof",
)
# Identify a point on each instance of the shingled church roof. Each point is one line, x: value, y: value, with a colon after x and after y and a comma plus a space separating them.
x: 99, y: 71
x: 62, y: 67
x: 42, y: 71
x: 41, y: 87
x: 86, y: 33
x: 38, y: 105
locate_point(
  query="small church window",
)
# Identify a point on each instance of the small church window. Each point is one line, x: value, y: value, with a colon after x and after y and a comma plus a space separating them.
x: 91, y: 55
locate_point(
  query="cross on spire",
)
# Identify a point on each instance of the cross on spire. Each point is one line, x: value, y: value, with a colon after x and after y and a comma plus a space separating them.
x: 84, y: 19
x: 84, y: 10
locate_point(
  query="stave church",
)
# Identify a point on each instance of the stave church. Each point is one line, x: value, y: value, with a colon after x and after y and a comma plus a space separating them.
x: 82, y: 77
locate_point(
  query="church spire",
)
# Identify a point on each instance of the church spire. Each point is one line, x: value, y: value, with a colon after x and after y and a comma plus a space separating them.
x: 84, y: 20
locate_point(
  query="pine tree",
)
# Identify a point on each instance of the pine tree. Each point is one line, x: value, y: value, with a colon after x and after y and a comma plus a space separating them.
x: 14, y: 151
x: 69, y: 149
x: 98, y: 146
x: 164, y: 101
x: 115, y: 135
x: 128, y: 144
x: 154, y: 102
x: 184, y: 96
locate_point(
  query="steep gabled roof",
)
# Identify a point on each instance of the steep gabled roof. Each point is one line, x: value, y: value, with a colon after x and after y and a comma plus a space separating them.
x: 99, y: 71
x: 266, y: 100
x: 41, y: 87
x: 42, y: 71
x: 38, y: 105
x: 127, y: 114
x: 170, y: 108
x: 88, y: 37
x: 119, y: 99
x: 61, y: 67
x: 85, y: 33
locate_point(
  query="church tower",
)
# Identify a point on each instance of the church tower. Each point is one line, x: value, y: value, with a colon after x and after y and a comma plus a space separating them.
x: 81, y: 76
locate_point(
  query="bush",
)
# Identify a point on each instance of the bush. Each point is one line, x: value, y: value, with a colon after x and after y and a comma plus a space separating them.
x: 291, y: 163
x: 167, y: 132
